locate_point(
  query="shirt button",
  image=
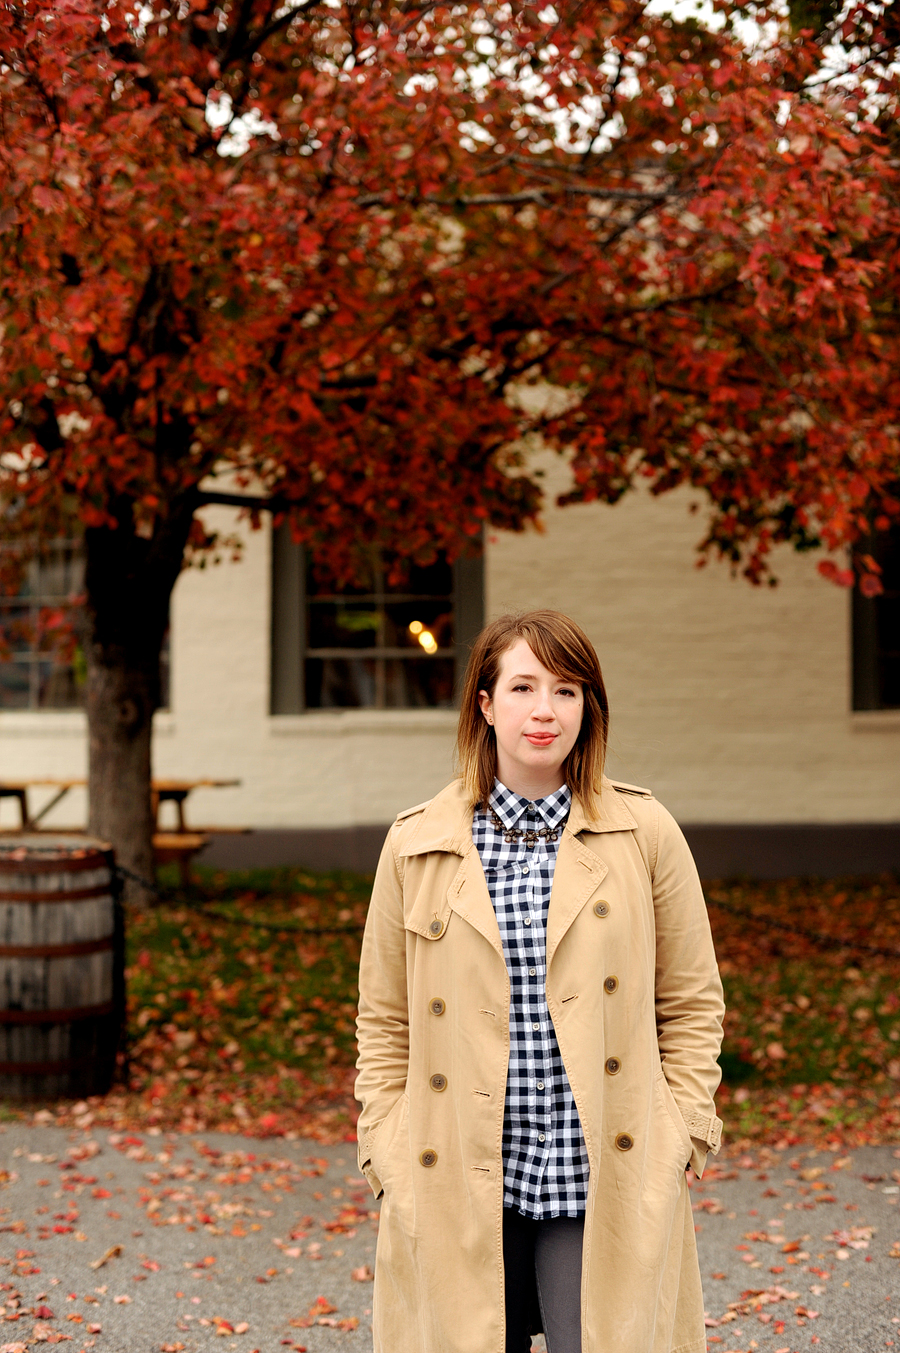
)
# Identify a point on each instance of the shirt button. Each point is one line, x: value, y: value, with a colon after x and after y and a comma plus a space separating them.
x: 524, y: 868
x: 532, y: 972
x: 528, y: 920
x: 535, y: 1026
x: 540, y: 1085
x: 541, y: 1137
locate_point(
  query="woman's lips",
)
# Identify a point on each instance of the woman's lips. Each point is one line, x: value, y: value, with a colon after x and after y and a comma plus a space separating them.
x: 541, y: 739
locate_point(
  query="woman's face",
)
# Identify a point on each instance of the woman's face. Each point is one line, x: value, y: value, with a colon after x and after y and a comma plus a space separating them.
x: 536, y: 717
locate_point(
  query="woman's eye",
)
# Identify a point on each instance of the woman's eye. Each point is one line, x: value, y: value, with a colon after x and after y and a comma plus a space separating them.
x: 566, y: 691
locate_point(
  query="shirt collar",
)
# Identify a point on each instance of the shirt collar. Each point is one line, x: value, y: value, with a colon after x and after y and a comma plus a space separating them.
x: 509, y: 807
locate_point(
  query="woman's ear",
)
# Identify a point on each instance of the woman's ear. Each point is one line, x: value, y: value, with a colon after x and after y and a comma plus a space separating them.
x: 484, y: 703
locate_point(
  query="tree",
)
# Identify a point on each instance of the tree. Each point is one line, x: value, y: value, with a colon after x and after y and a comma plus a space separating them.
x: 325, y: 247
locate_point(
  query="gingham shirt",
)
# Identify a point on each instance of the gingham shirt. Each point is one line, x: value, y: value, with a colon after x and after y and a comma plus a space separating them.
x: 545, y: 1164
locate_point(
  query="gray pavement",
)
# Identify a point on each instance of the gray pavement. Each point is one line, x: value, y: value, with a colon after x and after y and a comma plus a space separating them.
x: 219, y: 1242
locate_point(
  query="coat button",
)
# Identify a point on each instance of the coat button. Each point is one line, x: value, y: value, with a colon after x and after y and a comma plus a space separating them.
x: 611, y: 984
x: 613, y: 1065
x: 437, y: 1006
x: 601, y: 908
x: 436, y: 927
x: 438, y: 1082
x: 624, y: 1142
x: 428, y: 1158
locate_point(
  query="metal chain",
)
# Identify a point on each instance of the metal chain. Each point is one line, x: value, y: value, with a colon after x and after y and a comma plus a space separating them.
x: 282, y: 929
x: 824, y: 941
x: 148, y: 887
x: 817, y: 937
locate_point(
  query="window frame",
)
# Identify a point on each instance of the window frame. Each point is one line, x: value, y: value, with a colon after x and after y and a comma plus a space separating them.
x: 870, y: 656
x: 289, y: 651
x: 34, y: 601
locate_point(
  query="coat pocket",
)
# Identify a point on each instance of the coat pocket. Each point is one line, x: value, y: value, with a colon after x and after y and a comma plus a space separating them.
x: 673, y: 1115
x: 387, y: 1143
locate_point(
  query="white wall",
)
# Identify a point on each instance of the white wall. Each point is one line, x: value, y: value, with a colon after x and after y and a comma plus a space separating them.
x: 732, y: 703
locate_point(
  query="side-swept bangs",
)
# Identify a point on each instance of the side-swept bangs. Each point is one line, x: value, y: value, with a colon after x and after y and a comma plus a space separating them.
x: 564, y: 649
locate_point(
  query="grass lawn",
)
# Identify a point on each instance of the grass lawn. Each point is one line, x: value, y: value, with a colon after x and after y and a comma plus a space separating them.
x: 242, y: 996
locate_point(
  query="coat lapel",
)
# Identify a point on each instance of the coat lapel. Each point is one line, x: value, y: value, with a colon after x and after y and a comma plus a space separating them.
x: 580, y: 870
x: 470, y: 899
x: 446, y: 825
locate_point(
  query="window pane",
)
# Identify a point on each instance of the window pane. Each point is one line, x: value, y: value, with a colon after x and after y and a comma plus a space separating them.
x: 876, y: 631
x: 320, y: 584
x: 433, y: 580
x: 41, y: 664
x: 59, y: 573
x: 342, y: 625
x: 420, y: 625
x: 14, y: 685
x: 888, y: 623
x: 57, y: 687
x: 340, y: 683
x: 425, y: 683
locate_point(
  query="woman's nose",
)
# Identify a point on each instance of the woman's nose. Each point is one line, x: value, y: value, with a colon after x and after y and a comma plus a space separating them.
x: 543, y: 708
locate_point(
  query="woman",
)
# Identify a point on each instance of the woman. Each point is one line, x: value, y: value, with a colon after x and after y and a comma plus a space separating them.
x: 536, y: 1072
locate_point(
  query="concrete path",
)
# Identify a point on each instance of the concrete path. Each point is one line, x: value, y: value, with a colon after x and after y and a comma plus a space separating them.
x: 157, y: 1244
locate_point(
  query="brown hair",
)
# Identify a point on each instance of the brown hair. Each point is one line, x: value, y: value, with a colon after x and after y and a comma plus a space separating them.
x: 564, y: 649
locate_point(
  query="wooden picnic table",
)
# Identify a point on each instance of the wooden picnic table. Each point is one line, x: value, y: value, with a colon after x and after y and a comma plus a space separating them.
x: 161, y: 791
x: 175, y: 847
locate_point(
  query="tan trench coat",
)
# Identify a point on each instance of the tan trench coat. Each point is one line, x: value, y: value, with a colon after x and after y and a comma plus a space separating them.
x: 632, y: 976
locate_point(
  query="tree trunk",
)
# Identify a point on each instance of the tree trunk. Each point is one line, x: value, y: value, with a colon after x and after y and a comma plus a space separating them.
x: 128, y: 581
x: 120, y: 705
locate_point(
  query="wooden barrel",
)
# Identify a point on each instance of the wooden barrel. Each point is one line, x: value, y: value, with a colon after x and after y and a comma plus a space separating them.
x: 62, y: 981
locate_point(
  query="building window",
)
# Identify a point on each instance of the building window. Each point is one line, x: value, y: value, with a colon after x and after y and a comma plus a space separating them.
x: 374, y: 646
x: 41, y: 659
x: 876, y: 631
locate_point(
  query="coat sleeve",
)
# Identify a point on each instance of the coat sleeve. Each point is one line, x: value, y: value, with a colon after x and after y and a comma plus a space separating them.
x: 689, y: 1004
x: 383, y: 1020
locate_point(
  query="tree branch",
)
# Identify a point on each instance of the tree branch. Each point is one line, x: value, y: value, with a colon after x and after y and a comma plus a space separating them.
x: 248, y: 500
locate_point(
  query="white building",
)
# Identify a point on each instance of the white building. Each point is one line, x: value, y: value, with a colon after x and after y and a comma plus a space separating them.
x: 734, y: 704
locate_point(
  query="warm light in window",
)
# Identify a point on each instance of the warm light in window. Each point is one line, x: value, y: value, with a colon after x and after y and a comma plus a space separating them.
x: 416, y: 627
x: 428, y: 641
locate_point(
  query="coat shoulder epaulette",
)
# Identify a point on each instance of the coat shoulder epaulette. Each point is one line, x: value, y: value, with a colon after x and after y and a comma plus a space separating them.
x: 408, y: 812
x: 622, y: 788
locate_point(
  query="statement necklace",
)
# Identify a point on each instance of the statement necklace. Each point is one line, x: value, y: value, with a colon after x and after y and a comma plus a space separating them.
x: 531, y: 837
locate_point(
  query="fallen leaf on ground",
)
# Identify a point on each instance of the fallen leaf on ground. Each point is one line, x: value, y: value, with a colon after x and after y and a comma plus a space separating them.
x: 363, y: 1274
x: 111, y: 1253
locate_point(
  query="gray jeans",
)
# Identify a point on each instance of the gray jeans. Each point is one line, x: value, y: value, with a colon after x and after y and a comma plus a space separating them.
x: 542, y: 1267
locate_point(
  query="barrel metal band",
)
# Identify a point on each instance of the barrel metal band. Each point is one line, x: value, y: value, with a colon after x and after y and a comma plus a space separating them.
x: 58, y: 894
x: 54, y: 864
x: 73, y: 950
x: 68, y: 1016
